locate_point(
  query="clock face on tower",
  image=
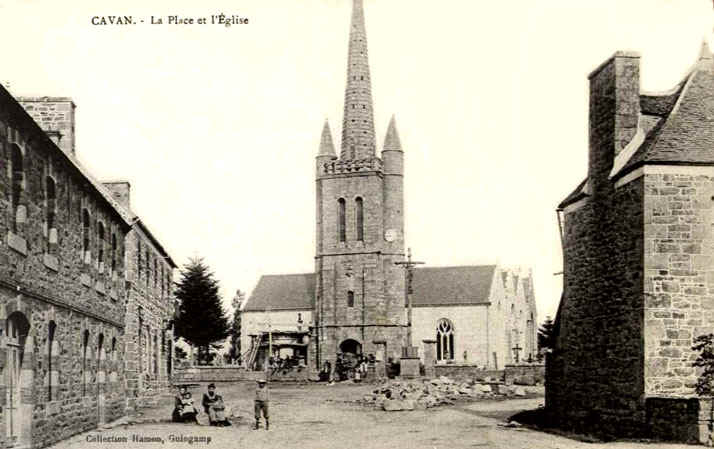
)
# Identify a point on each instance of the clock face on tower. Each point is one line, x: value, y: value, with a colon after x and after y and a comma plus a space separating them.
x: 390, y: 235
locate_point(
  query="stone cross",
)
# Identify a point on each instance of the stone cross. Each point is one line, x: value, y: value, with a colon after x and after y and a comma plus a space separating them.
x: 409, y: 267
x: 516, y: 350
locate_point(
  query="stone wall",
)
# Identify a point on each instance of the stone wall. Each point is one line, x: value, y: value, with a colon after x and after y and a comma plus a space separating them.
x: 61, y: 297
x: 149, y: 312
x: 678, y: 275
x: 231, y: 374
x: 470, y: 325
x: 595, y: 377
x: 461, y: 370
x: 55, y: 115
x: 521, y: 373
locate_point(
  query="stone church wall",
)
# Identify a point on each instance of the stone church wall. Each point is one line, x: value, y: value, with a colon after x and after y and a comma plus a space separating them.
x: 470, y: 330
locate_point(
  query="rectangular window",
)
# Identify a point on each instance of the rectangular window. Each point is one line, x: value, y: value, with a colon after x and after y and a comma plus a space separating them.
x: 350, y: 299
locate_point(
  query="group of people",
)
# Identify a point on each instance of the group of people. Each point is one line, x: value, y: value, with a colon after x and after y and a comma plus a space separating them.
x: 347, y: 367
x: 214, y: 407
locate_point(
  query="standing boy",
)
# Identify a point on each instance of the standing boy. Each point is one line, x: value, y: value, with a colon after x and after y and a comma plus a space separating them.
x: 262, y: 399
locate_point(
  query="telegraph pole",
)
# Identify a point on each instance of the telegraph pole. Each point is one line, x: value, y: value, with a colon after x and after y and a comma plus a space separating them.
x: 409, y: 265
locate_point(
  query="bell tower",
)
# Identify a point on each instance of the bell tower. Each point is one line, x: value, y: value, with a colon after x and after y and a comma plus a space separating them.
x: 360, y: 292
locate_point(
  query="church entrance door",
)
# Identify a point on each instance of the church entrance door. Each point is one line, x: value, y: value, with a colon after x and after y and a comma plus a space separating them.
x: 351, y: 351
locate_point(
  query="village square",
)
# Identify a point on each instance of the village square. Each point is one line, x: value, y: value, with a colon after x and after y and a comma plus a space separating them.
x: 108, y: 338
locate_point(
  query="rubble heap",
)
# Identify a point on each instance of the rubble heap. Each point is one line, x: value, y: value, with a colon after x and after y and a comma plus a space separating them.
x: 422, y: 394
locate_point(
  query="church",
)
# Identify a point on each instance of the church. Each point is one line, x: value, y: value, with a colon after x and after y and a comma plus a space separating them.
x: 355, y: 301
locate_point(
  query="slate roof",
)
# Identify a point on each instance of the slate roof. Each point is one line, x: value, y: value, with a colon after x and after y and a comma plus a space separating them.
x: 447, y: 286
x: 678, y: 126
x: 433, y: 286
x: 282, y: 292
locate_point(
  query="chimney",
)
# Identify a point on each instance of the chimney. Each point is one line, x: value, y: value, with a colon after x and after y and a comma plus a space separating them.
x: 614, y: 113
x: 55, y: 115
x: 120, y: 191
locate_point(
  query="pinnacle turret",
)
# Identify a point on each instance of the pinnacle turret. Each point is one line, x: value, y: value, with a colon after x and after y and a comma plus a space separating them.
x: 326, y: 146
x: 391, y: 140
x: 358, y: 139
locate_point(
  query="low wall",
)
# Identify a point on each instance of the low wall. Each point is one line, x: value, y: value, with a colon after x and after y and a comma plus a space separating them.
x: 232, y: 374
x: 526, y: 374
x: 458, y: 370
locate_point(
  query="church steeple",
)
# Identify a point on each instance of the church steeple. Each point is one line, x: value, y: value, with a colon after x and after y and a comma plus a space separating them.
x: 391, y: 141
x: 358, y: 139
x: 326, y: 146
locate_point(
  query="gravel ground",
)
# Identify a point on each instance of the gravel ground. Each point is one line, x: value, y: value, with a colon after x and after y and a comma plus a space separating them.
x: 321, y: 416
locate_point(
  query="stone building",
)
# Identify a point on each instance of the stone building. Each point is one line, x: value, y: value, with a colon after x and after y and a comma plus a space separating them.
x: 355, y: 300
x: 476, y: 314
x: 638, y: 266
x: 149, y: 306
x: 61, y: 281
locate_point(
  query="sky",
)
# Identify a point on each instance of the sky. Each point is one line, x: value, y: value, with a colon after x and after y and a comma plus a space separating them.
x: 216, y: 128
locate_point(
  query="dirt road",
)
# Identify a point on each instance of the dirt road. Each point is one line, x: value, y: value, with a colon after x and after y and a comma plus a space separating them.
x: 321, y: 416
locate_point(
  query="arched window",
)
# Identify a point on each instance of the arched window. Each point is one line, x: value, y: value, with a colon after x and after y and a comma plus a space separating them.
x: 114, y: 253
x: 444, y: 340
x: 360, y: 219
x: 85, y: 343
x: 85, y: 235
x: 17, y: 181
x: 50, y: 198
x: 114, y: 349
x: 341, y: 228
x: 350, y: 299
x: 100, y: 245
x: 51, y: 328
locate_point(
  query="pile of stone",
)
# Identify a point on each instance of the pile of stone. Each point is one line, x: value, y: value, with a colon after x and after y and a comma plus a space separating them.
x: 422, y: 394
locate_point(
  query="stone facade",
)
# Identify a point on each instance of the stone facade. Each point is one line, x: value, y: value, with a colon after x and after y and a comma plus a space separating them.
x: 61, y: 287
x: 149, y: 308
x: 637, y: 243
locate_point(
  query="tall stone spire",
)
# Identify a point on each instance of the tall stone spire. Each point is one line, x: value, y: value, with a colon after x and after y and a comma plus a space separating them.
x: 326, y: 146
x: 358, y: 139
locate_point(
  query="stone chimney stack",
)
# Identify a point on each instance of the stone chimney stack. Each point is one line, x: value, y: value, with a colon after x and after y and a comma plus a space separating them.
x: 55, y: 115
x: 120, y: 191
x: 614, y: 113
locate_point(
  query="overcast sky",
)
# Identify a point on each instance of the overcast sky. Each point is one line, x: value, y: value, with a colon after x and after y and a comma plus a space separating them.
x: 217, y: 127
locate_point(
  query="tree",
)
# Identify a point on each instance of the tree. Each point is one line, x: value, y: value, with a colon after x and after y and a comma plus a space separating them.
x: 235, y: 351
x: 546, y: 338
x: 201, y: 319
x: 704, y: 345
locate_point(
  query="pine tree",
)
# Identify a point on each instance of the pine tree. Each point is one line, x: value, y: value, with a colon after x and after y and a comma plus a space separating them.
x: 201, y: 319
x: 545, y: 335
x: 235, y: 351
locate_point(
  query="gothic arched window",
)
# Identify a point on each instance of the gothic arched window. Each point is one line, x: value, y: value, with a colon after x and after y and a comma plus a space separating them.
x: 444, y: 340
x: 360, y: 219
x: 341, y: 228
x: 350, y: 299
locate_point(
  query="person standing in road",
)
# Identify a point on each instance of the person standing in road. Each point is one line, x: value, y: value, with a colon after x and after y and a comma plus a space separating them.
x: 262, y: 400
